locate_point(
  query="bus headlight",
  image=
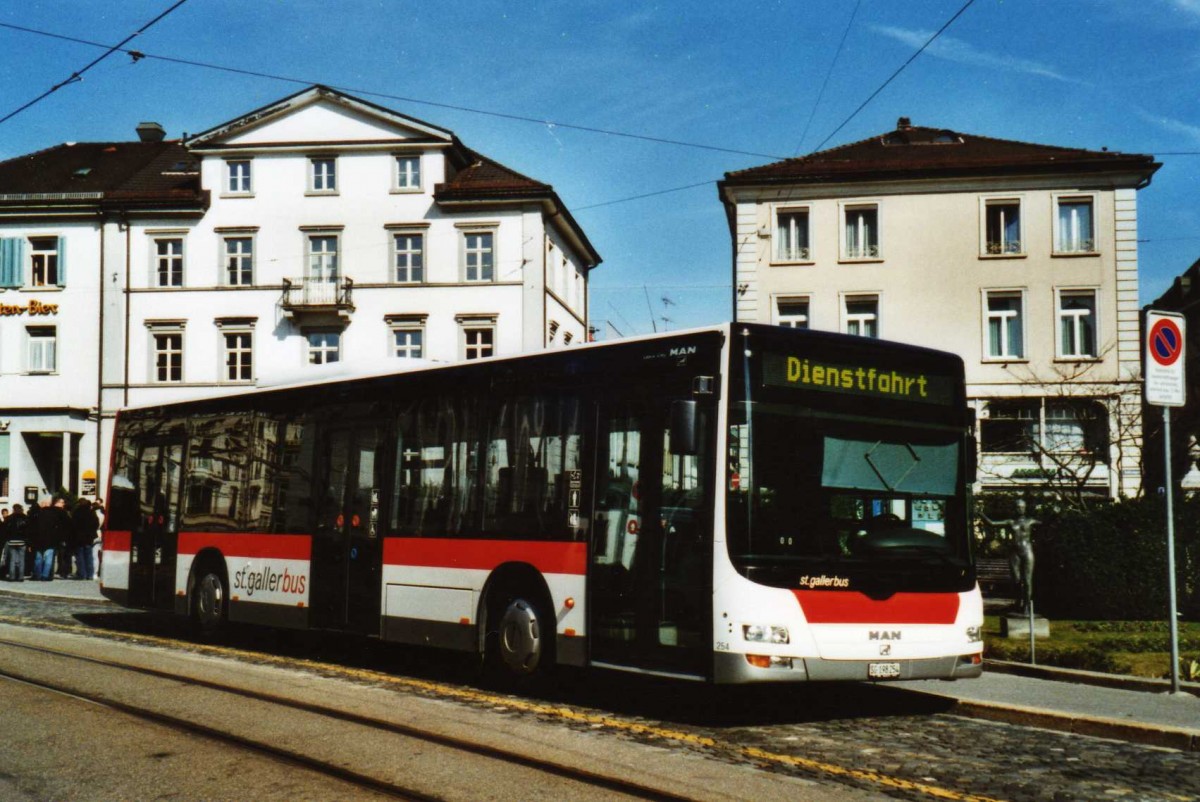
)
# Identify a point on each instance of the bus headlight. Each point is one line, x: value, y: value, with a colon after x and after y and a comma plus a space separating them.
x: 761, y: 633
x: 974, y: 634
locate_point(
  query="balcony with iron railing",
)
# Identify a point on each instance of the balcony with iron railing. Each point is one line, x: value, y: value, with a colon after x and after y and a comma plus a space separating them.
x: 318, y: 297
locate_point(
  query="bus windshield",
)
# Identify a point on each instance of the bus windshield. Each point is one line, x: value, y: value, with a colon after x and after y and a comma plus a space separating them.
x: 812, y: 487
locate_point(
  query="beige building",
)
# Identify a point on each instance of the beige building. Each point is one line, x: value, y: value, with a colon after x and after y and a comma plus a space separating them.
x: 1021, y: 258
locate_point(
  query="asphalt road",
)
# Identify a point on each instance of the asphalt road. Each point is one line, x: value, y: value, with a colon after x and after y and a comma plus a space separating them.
x: 840, y: 741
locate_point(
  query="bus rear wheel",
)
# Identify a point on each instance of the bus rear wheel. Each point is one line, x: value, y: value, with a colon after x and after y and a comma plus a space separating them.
x: 521, y: 648
x: 209, y: 601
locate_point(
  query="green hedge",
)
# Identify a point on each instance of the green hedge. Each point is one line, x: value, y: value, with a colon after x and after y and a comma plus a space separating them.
x: 1110, y: 562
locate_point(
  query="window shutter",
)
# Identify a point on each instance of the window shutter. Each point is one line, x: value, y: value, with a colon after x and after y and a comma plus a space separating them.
x: 62, y: 261
x: 11, y: 262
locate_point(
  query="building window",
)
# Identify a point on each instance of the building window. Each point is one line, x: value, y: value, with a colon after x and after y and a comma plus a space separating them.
x: 409, y: 252
x: 861, y: 231
x: 862, y: 315
x: 44, y: 261
x: 1075, y: 226
x: 408, y: 342
x: 324, y: 347
x: 1003, y: 227
x: 4, y: 458
x: 239, y: 261
x: 43, y: 349
x: 408, y: 172
x: 237, y: 177
x: 323, y: 258
x: 239, y: 356
x: 791, y: 235
x: 478, y: 255
x: 1005, y: 326
x: 168, y: 262
x: 1044, y: 425
x: 323, y: 174
x: 792, y: 313
x: 168, y: 357
x: 479, y: 342
x: 1077, y: 324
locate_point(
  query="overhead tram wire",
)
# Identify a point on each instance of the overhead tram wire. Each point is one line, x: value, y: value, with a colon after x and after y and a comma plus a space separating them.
x: 828, y: 74
x: 137, y: 54
x: 892, y: 77
x: 78, y: 74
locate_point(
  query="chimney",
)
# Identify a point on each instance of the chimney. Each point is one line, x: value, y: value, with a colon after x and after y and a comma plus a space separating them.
x: 150, y: 132
x: 903, y: 124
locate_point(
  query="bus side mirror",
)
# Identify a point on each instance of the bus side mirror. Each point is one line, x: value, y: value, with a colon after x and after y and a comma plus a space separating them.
x: 683, y: 427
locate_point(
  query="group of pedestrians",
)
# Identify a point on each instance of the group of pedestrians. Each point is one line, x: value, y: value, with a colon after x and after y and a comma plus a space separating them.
x: 48, y: 539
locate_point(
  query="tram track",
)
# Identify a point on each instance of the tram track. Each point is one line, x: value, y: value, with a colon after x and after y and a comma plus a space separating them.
x: 327, y: 768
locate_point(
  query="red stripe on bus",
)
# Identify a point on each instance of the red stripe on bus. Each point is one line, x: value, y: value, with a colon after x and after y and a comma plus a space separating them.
x: 116, y: 540
x: 428, y: 552
x: 848, y: 607
x: 279, y: 547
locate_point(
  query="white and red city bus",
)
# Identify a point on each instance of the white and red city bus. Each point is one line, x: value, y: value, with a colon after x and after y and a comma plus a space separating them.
x: 737, y: 504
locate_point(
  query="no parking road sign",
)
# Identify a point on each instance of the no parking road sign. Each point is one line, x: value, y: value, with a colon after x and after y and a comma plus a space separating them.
x: 1165, y: 386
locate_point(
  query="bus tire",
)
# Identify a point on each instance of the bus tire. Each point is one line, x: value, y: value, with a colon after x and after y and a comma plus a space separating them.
x: 520, y: 649
x: 210, y: 599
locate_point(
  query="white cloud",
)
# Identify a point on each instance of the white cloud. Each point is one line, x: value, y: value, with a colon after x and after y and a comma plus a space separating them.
x: 961, y: 52
x: 1169, y: 124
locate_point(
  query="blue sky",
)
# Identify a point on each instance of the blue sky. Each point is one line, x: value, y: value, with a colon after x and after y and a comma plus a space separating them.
x: 744, y: 76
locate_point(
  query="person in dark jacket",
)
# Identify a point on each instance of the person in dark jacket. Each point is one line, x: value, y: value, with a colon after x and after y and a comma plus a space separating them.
x: 15, y: 532
x: 84, y: 526
x: 53, y: 527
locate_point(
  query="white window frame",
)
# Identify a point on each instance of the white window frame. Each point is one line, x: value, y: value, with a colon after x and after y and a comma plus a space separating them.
x: 794, y: 256
x: 227, y: 256
x: 860, y: 319
x: 330, y: 268
x: 405, y: 350
x: 471, y: 328
x: 170, y: 261
x: 46, y: 255
x: 465, y: 251
x: 1022, y: 318
x: 407, y: 180
x: 791, y: 319
x: 990, y: 250
x: 846, y: 208
x: 238, y: 186
x: 322, y: 350
x: 322, y: 181
x: 156, y: 350
x: 243, y: 354
x: 1061, y: 198
x: 397, y: 252
x: 1060, y: 320
x: 41, y: 350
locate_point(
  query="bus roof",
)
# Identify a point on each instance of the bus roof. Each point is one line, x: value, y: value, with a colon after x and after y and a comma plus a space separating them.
x: 337, y: 373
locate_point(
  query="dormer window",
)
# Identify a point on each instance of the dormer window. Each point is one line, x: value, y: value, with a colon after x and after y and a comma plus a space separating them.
x: 408, y: 173
x: 237, y: 177
x: 322, y: 174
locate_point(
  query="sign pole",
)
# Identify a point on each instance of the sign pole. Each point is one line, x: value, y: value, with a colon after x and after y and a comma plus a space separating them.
x: 1166, y: 386
x: 1174, y: 623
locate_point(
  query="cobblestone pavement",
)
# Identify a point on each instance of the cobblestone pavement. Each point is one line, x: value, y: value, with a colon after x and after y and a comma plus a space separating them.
x: 875, y: 738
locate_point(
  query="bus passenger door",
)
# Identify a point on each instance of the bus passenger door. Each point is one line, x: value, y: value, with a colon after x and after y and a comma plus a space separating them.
x: 347, y: 553
x: 650, y: 571
x: 155, y: 539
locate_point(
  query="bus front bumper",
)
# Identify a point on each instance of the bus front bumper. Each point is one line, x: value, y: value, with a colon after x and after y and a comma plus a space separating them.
x: 737, y: 669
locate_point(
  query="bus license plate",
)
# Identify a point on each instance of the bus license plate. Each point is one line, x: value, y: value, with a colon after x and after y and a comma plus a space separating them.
x: 883, y: 670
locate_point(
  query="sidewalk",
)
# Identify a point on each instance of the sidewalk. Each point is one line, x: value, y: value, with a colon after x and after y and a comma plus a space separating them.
x: 76, y: 589
x: 1082, y: 702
